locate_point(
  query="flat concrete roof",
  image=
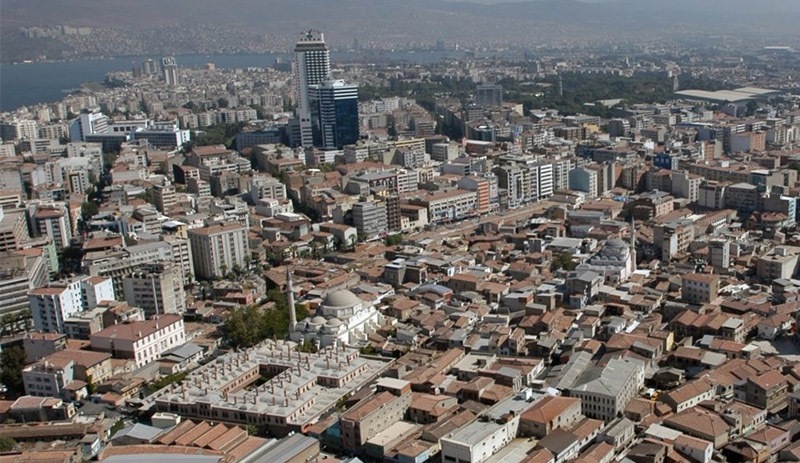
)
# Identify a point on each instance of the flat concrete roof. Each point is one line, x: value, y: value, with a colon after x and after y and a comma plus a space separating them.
x: 733, y: 96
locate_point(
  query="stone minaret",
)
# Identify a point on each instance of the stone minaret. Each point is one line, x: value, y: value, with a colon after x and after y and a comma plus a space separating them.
x: 290, y: 300
x: 633, y: 241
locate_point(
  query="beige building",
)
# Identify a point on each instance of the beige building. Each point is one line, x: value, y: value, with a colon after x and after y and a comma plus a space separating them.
x: 218, y: 248
x: 156, y: 288
x: 699, y: 288
x: 164, y: 198
x: 369, y: 418
x: 144, y: 341
x: 55, y: 224
x: 300, y: 390
x: 549, y: 413
x: 781, y: 262
x: 606, y: 392
x: 13, y: 230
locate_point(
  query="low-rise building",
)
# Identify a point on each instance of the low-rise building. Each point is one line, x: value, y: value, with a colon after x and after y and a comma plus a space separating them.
x: 370, y: 417
x: 300, y: 388
x: 549, y: 413
x: 605, y: 391
x: 699, y: 288
x: 141, y: 341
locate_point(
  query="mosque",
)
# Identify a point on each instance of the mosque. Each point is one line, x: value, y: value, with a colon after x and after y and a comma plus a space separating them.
x: 616, y: 260
x: 342, y: 319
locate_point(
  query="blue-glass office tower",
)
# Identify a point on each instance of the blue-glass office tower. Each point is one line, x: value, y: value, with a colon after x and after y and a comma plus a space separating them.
x: 334, y: 114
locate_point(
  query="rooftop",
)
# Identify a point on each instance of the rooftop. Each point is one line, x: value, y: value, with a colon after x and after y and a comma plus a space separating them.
x: 294, y: 392
x: 138, y: 329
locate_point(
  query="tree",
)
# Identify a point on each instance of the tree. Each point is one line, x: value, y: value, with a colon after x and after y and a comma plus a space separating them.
x: 117, y: 427
x: 369, y: 349
x: 89, y: 209
x: 394, y: 240
x: 307, y: 347
x: 243, y: 326
x: 12, y: 360
x: 7, y: 444
x: 249, y: 325
x: 261, y: 113
x: 161, y: 383
x: 192, y: 106
x: 91, y: 388
x: 751, y: 108
x: 563, y: 261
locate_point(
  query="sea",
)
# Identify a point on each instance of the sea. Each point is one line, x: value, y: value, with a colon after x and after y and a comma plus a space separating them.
x: 25, y: 84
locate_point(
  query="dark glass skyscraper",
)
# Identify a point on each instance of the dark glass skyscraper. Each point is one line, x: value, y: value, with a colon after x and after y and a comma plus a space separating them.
x: 334, y: 114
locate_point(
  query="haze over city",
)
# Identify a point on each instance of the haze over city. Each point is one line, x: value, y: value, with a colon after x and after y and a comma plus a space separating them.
x: 369, y: 231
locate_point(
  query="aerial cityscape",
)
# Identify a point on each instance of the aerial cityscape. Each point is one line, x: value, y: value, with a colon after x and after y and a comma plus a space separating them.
x: 404, y: 232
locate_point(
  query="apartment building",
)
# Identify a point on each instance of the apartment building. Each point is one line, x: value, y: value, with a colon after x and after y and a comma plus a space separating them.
x: 218, y: 249
x: 449, y: 205
x: 156, y: 288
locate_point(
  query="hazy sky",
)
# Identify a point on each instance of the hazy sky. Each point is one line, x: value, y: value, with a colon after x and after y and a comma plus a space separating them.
x: 492, y: 2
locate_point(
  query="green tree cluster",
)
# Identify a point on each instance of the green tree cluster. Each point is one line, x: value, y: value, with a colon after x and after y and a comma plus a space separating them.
x: 307, y: 347
x: 394, y: 240
x: 117, y: 427
x: 88, y: 210
x: 12, y: 360
x: 161, y: 383
x: 220, y: 134
x: 563, y: 261
x: 247, y: 326
x: 7, y: 444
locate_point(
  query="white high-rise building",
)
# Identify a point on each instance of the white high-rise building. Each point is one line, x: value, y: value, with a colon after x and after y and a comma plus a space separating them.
x: 170, y: 68
x: 312, y: 66
x: 54, y: 222
x: 88, y: 123
x: 19, y: 129
x: 50, y: 306
x: 95, y: 290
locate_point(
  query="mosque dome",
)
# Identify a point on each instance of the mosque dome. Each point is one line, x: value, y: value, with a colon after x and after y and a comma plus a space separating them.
x: 616, y: 243
x: 341, y: 299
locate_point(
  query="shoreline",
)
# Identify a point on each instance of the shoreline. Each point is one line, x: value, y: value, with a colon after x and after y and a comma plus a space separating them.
x: 265, y: 53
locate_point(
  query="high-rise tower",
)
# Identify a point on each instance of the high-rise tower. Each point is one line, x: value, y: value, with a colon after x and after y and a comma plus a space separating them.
x: 312, y: 66
x: 334, y: 114
x: 170, y: 68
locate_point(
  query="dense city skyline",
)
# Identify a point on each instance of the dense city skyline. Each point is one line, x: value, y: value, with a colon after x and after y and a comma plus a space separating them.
x: 366, y: 231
